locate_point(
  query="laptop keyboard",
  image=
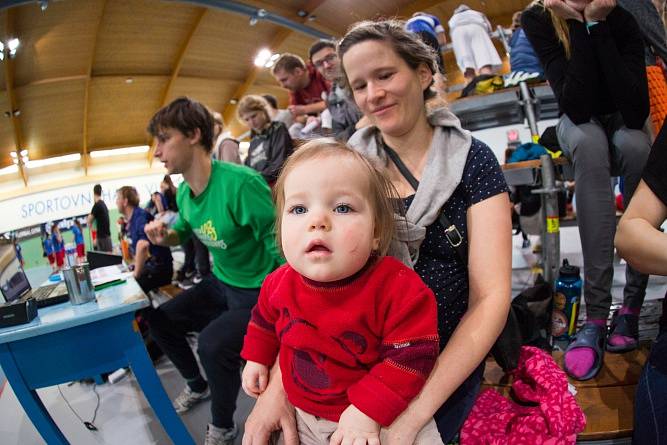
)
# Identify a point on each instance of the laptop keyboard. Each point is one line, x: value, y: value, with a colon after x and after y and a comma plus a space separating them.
x: 42, y: 292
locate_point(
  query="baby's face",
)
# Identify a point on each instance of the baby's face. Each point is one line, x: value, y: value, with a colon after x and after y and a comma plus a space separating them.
x: 577, y: 5
x: 327, y: 227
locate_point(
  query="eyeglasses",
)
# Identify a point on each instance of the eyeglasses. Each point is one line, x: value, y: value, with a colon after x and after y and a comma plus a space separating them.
x: 328, y: 60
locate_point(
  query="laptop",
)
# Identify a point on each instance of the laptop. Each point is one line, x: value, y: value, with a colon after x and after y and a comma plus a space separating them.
x: 98, y: 259
x: 15, y: 286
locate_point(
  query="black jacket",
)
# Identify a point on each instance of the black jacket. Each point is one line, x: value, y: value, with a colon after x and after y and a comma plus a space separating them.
x: 605, y: 73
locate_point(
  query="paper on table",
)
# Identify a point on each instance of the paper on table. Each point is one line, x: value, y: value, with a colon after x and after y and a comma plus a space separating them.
x: 108, y: 274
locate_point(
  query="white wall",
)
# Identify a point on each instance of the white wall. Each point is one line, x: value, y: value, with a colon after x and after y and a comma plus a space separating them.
x: 36, y: 208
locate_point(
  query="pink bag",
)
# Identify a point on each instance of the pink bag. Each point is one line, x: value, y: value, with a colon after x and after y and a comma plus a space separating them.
x: 552, y: 416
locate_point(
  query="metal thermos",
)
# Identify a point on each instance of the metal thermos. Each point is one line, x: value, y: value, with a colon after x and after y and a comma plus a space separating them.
x: 79, y: 285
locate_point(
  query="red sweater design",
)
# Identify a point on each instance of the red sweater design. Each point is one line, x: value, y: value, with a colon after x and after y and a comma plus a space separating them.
x: 370, y: 342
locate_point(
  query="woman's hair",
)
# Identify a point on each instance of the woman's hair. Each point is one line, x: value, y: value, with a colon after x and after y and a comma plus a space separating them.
x: 251, y: 103
x: 407, y: 45
x: 381, y: 193
x: 560, y: 27
x: 167, y: 180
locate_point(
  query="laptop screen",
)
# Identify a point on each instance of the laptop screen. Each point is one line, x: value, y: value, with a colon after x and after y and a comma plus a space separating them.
x: 13, y: 281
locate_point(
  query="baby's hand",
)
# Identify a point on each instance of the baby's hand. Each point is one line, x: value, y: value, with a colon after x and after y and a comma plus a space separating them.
x: 254, y: 379
x: 355, y: 427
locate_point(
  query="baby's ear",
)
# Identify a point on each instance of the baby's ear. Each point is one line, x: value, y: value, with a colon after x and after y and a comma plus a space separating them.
x: 376, y: 244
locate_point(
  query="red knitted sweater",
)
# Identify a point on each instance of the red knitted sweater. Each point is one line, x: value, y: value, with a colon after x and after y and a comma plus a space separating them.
x: 369, y: 341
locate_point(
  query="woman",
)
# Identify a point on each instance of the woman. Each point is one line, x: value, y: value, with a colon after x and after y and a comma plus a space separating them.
x: 641, y: 242
x: 271, y: 143
x: 604, y: 105
x: 390, y: 73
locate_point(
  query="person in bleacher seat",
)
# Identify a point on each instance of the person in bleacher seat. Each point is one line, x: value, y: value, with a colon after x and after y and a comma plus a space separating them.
x: 343, y: 112
x: 641, y: 242
x: 224, y: 148
x: 228, y: 207
x: 307, y: 91
x: 271, y: 143
x: 443, y: 172
x: 604, y: 107
x: 278, y: 114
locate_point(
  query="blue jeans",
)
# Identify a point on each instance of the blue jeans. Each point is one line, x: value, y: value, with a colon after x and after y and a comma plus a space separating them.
x: 651, y: 403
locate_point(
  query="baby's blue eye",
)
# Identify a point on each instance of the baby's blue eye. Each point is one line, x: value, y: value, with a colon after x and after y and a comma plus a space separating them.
x: 298, y: 210
x: 343, y: 208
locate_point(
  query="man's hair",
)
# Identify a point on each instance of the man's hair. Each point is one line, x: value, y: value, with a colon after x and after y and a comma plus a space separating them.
x: 97, y: 190
x: 271, y: 99
x: 288, y: 62
x: 185, y: 115
x: 130, y: 193
x: 382, y: 195
x: 319, y: 46
x: 250, y: 103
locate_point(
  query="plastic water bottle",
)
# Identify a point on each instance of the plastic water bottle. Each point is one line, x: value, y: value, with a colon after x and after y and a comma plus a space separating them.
x: 70, y: 254
x: 567, y: 299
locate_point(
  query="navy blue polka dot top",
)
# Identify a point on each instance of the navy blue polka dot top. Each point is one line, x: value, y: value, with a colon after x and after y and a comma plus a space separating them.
x: 439, y: 265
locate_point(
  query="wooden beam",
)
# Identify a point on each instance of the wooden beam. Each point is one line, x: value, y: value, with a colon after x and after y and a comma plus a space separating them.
x: 86, y: 95
x: 278, y: 39
x: 11, y: 96
x: 418, y: 5
x: 177, y: 69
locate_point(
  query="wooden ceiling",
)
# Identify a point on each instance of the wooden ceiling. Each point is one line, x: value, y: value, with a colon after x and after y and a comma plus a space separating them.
x: 89, y: 74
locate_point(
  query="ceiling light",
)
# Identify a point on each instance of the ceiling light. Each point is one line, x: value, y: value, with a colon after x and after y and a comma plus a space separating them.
x: 263, y: 56
x: 24, y: 152
x: 13, y: 44
x: 119, y: 151
x: 129, y: 80
x: 35, y: 163
x: 13, y: 154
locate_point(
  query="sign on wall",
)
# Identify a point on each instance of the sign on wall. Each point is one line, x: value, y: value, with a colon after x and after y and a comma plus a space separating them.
x: 34, y: 209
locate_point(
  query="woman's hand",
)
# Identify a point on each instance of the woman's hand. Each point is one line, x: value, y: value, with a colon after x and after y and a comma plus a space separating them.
x: 403, y: 430
x: 272, y: 412
x: 355, y: 427
x: 598, y: 10
x: 563, y: 10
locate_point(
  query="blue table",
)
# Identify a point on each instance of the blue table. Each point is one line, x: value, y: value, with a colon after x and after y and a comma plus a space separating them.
x: 67, y: 342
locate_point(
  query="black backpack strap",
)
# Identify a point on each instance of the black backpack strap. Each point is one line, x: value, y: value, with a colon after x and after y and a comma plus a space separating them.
x: 452, y: 234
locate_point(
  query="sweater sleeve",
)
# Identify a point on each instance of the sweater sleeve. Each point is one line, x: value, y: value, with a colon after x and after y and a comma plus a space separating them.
x: 408, y: 353
x: 569, y: 79
x: 623, y: 66
x: 260, y: 343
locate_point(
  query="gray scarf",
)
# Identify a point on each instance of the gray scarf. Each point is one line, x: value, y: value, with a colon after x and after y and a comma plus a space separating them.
x: 445, y: 161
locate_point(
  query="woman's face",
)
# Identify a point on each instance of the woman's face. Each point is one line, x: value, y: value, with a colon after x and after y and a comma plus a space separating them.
x: 577, y: 5
x: 385, y: 88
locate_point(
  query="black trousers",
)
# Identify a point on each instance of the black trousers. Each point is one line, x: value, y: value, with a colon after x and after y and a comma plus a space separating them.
x: 196, y: 257
x: 220, y: 313
x: 154, y: 276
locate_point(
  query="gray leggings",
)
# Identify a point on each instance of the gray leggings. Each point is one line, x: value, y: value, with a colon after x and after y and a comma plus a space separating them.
x: 600, y: 149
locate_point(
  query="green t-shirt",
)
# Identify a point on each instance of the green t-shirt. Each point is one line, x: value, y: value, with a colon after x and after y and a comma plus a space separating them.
x: 234, y: 218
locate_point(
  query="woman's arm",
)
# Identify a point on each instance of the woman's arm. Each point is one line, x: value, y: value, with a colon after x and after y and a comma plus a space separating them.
x: 489, y: 266
x: 638, y: 239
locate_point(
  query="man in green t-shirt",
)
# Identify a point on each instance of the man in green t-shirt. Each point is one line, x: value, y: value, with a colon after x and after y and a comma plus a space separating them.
x: 228, y: 208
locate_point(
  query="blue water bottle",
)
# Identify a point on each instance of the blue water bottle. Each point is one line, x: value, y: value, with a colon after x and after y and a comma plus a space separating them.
x: 567, y: 299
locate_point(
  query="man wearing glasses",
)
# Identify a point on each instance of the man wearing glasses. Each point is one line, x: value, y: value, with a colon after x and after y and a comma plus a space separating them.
x: 344, y: 113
